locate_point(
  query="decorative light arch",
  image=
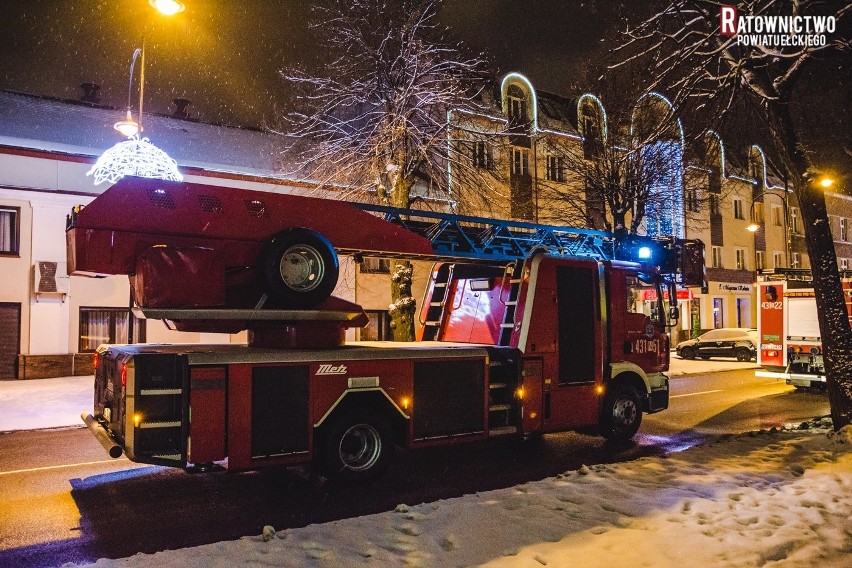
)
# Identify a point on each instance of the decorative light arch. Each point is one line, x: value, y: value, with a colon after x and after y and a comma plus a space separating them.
x: 527, y: 85
x: 756, y: 152
x: 668, y: 103
x: 597, y: 102
x: 715, y: 135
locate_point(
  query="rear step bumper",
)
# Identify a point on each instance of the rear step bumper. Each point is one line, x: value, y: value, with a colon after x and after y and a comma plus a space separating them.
x: 110, y: 445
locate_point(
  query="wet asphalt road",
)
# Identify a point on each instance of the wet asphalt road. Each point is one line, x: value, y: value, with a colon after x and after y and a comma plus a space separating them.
x: 63, y: 500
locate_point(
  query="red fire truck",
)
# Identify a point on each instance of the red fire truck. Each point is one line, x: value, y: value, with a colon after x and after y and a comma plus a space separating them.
x: 789, y: 343
x: 524, y: 329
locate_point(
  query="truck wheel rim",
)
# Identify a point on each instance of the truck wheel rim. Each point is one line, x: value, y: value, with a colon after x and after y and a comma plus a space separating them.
x: 624, y: 412
x: 301, y: 268
x: 360, y: 447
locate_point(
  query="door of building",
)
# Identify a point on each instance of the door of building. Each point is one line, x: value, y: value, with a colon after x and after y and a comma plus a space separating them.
x: 10, y: 339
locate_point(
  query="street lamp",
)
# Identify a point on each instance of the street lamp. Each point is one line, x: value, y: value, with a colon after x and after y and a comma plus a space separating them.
x: 129, y: 127
x: 755, y: 225
x: 136, y: 156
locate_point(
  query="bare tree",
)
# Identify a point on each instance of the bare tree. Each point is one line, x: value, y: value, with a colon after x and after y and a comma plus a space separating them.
x: 713, y: 72
x: 375, y: 121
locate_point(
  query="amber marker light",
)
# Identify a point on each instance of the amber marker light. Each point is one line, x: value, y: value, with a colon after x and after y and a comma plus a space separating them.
x: 137, y: 418
x: 519, y: 393
x: 406, y: 403
x: 599, y: 389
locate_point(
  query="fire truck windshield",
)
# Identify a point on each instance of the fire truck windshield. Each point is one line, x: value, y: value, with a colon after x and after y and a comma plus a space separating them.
x: 644, y: 295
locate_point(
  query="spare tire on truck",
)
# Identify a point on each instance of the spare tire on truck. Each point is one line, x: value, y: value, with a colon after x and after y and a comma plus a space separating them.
x: 298, y: 268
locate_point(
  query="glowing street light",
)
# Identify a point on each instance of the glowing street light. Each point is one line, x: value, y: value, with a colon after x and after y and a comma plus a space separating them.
x: 137, y: 156
x: 826, y: 182
x: 167, y: 7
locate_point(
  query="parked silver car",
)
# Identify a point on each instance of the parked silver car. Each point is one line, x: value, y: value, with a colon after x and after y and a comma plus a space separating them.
x: 736, y: 342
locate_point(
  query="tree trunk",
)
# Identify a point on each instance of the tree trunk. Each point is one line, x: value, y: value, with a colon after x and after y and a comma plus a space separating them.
x: 833, y: 318
x: 404, y: 306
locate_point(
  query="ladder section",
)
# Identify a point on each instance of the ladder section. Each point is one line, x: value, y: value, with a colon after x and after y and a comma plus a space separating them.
x: 440, y: 285
x: 514, y: 274
x: 503, y: 406
x: 466, y: 237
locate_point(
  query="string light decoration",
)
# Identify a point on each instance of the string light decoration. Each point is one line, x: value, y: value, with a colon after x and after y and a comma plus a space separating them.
x: 134, y: 157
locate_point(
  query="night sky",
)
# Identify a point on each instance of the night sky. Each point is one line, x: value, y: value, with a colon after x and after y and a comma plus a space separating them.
x: 224, y: 55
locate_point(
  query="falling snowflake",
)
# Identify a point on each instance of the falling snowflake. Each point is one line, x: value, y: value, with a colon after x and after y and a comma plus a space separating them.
x: 134, y: 157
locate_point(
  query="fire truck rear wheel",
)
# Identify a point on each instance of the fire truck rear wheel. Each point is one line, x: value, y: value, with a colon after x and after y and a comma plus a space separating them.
x: 299, y: 268
x: 357, y: 446
x: 622, y: 413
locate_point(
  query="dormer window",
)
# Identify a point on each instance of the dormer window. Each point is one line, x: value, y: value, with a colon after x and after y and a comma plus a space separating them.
x: 517, y: 104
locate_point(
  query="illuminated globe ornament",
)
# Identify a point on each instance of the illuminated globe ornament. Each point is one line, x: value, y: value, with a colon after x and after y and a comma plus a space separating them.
x: 134, y: 157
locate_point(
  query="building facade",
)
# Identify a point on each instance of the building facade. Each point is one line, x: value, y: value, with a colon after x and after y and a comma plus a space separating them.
x: 539, y: 149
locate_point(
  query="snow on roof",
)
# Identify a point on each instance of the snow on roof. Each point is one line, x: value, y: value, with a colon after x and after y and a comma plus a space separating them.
x: 70, y: 127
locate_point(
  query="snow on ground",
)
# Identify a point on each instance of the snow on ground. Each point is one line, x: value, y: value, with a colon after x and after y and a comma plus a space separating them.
x: 45, y: 403
x: 770, y: 498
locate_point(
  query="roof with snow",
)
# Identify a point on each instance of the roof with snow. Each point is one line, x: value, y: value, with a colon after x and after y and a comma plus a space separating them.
x: 77, y: 128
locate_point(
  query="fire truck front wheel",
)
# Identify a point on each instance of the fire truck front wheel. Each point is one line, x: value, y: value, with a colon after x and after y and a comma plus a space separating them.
x: 357, y: 446
x: 621, y: 414
x: 299, y: 268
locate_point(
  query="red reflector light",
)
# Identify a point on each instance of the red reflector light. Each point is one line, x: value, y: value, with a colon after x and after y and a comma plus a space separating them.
x: 123, y: 374
x: 95, y: 361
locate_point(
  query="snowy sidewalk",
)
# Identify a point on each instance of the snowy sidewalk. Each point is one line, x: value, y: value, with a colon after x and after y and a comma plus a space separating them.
x: 781, y: 498
x: 45, y: 403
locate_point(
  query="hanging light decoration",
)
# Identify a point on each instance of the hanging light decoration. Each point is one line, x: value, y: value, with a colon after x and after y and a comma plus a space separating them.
x: 134, y: 157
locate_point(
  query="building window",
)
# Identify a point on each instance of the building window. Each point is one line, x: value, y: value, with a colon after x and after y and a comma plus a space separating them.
x: 717, y: 257
x: 9, y: 230
x: 844, y: 264
x: 517, y: 104
x: 794, y: 220
x: 375, y: 265
x: 377, y: 328
x: 714, y: 205
x: 104, y: 325
x: 757, y: 213
x: 483, y: 155
x: 741, y: 258
x: 520, y: 161
x: 844, y: 233
x: 592, y: 138
x: 759, y: 261
x: 796, y: 260
x: 739, y: 212
x: 555, y: 168
x: 776, y: 260
x: 693, y: 201
x: 777, y: 217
